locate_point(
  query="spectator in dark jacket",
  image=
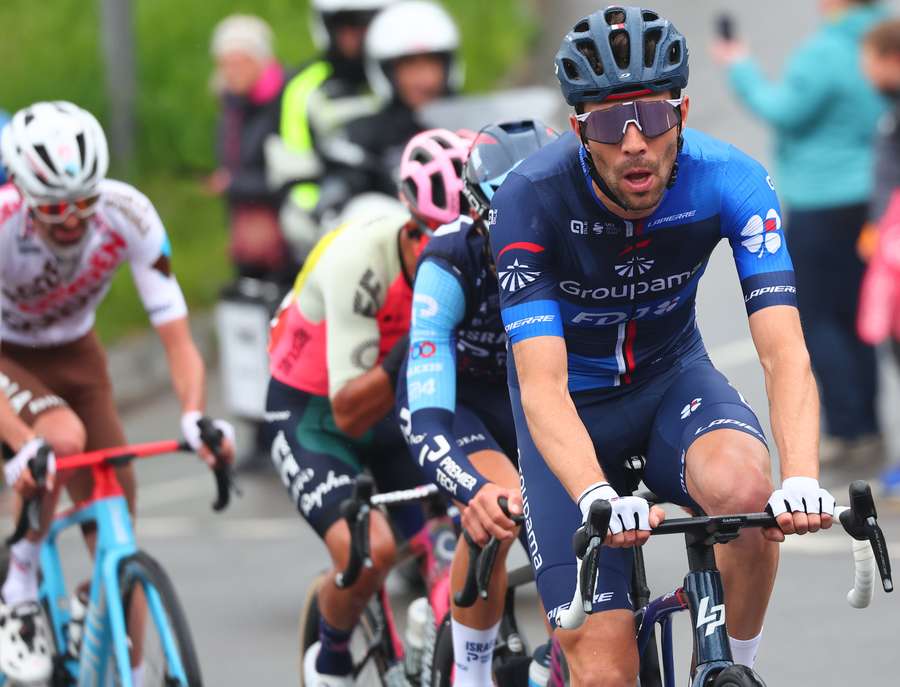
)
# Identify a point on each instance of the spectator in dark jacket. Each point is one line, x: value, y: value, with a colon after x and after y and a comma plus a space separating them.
x: 250, y: 82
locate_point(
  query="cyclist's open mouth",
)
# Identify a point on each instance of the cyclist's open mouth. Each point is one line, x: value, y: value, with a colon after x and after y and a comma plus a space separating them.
x: 638, y: 180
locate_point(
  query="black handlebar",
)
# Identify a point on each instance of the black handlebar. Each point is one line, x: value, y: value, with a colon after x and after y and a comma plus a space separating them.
x: 356, y: 511
x: 860, y: 522
x: 481, y: 563
x: 212, y: 437
x: 29, y: 517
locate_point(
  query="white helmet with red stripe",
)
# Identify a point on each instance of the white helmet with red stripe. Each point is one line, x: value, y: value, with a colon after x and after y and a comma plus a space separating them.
x: 54, y: 151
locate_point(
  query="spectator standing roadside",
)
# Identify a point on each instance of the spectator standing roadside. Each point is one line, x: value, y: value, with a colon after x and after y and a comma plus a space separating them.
x: 326, y: 93
x: 879, y: 316
x: 4, y: 118
x: 249, y: 81
x: 824, y: 115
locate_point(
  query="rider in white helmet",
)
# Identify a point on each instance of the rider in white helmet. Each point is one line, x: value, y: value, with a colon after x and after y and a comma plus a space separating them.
x: 64, y: 231
x: 326, y: 92
x: 411, y: 60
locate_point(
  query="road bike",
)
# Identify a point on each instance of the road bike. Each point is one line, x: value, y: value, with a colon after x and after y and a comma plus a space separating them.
x: 132, y: 610
x: 380, y: 656
x: 701, y: 594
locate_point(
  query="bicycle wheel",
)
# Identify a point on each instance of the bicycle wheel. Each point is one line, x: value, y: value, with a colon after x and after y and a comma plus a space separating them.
x: 738, y: 676
x: 370, y: 642
x: 143, y: 581
x: 440, y: 673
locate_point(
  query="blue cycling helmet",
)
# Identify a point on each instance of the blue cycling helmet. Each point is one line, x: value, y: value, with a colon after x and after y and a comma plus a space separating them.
x: 589, y: 70
x: 496, y: 151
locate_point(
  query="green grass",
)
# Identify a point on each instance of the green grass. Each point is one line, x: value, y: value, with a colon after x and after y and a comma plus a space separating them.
x: 52, y: 50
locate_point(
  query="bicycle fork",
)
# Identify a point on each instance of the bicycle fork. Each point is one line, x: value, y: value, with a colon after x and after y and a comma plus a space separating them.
x: 706, y: 601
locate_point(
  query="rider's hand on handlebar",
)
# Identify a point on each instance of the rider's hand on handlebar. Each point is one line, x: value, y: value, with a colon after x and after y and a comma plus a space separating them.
x: 800, y: 506
x: 632, y: 517
x: 483, y: 517
x: 17, y: 474
x: 191, y: 432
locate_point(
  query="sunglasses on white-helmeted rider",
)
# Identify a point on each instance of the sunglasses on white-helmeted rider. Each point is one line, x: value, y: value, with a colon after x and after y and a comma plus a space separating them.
x: 56, y: 213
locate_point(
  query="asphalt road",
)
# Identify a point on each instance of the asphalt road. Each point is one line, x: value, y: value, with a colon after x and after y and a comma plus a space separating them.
x: 242, y: 575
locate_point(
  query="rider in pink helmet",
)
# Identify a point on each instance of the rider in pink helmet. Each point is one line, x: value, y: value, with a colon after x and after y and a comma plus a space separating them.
x: 431, y: 175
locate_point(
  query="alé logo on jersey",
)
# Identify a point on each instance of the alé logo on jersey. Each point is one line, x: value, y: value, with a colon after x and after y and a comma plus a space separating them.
x: 762, y: 235
x: 518, y: 274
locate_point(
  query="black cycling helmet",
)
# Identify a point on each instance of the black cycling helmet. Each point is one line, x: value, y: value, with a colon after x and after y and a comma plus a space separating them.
x: 496, y: 151
x: 589, y: 71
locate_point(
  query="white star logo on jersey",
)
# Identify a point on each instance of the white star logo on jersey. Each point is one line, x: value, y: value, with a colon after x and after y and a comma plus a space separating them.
x: 517, y: 276
x: 763, y: 236
x: 635, y: 265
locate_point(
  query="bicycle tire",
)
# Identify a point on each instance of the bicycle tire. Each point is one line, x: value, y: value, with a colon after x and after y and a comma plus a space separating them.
x: 441, y: 669
x: 141, y: 569
x: 369, y: 631
x: 737, y: 676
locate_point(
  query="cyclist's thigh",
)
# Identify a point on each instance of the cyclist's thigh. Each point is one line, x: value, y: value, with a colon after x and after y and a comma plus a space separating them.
x: 40, y: 408
x: 482, y: 448
x: 387, y: 457
x: 316, y: 462
x: 551, y: 518
x: 699, y: 401
x: 81, y: 376
x: 490, y: 403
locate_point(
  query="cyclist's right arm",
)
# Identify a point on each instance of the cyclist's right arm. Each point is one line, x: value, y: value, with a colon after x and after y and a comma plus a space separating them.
x: 522, y: 245
x: 438, y: 308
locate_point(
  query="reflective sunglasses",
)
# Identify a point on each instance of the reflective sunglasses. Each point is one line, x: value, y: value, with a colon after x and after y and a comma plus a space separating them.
x: 652, y: 117
x: 55, y: 213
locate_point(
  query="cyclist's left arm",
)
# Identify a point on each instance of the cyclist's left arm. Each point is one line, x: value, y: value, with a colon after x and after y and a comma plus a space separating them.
x: 751, y: 220
x: 149, y: 253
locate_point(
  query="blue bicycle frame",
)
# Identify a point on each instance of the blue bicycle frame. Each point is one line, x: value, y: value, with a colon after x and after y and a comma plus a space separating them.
x: 105, y: 634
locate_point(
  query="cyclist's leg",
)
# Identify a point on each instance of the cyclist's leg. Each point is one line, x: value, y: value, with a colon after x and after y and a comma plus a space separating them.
x: 708, y: 452
x: 22, y: 625
x: 318, y: 464
x: 603, y: 651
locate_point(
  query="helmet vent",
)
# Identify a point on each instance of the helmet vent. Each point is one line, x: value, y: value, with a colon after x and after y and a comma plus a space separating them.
x: 438, y: 194
x: 93, y: 170
x: 648, y: 16
x: 620, y: 43
x: 675, y: 53
x: 29, y: 116
x: 80, y: 139
x: 42, y: 151
x: 651, y: 41
x: 614, y: 15
x: 582, y: 27
x: 571, y: 69
x: 589, y: 50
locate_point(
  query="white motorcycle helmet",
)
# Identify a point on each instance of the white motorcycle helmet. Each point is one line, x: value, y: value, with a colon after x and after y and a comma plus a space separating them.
x: 54, y: 151
x: 411, y: 27
x: 324, y: 11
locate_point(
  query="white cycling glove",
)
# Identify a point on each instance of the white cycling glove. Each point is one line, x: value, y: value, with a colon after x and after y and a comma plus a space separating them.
x: 191, y: 431
x: 801, y: 495
x: 628, y: 512
x: 14, y: 468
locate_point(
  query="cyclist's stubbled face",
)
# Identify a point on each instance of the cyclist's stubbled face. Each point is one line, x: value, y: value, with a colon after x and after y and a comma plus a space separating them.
x: 419, y: 79
x: 882, y: 69
x: 239, y: 71
x: 637, y: 168
x: 66, y: 233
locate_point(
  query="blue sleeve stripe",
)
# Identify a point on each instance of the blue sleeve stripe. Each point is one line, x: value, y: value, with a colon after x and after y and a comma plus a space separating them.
x: 532, y: 318
x: 438, y: 307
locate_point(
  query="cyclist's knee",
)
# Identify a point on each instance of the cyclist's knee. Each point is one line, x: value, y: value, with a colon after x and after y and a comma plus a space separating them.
x: 737, y: 478
x: 603, y: 652
x: 63, y: 430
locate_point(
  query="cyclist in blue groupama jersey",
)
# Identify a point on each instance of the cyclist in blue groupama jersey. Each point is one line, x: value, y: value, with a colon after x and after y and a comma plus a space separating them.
x: 600, y: 240
x: 452, y: 400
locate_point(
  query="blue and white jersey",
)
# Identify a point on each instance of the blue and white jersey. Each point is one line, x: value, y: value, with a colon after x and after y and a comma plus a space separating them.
x: 621, y: 292
x: 457, y: 345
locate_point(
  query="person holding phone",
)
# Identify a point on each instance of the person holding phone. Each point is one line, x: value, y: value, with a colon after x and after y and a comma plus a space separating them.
x: 824, y: 114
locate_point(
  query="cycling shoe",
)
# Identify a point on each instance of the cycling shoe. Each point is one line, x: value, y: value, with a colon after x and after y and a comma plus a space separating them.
x: 25, y: 645
x: 313, y: 678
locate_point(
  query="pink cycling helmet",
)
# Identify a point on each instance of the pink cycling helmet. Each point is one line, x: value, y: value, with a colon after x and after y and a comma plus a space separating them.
x: 431, y: 175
